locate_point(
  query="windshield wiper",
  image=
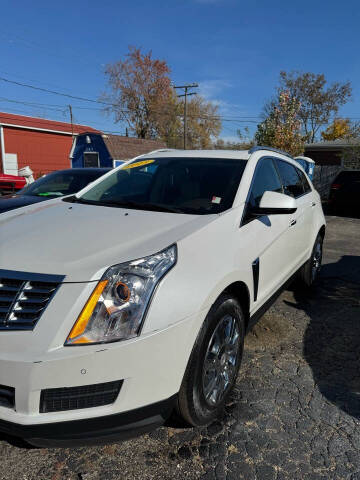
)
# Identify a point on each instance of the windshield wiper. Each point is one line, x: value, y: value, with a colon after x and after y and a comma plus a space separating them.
x: 157, y: 207
x: 75, y: 199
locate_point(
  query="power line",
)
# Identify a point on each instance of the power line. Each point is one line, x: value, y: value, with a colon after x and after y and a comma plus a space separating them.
x: 53, y: 92
x: 234, y: 120
x: 33, y: 104
x: 84, y: 99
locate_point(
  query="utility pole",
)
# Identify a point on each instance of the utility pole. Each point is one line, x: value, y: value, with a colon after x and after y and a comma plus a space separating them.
x: 185, y: 95
x: 71, y: 120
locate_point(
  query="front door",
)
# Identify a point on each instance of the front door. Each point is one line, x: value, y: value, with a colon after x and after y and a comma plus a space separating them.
x: 267, y: 237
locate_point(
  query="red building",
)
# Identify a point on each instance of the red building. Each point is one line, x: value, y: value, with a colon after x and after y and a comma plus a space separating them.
x: 43, y: 145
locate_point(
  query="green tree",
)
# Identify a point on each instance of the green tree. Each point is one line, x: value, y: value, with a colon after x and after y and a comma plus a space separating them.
x: 318, y: 102
x: 282, y: 128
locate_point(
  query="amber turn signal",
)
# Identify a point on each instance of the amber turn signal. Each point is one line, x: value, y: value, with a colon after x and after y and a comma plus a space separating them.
x: 81, y: 323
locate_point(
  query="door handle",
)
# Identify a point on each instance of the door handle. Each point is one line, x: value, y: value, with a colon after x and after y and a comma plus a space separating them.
x: 313, y: 204
x: 292, y: 223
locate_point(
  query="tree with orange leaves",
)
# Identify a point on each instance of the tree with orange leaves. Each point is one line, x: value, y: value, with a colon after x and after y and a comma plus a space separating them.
x: 141, y: 95
x: 140, y: 92
x: 339, y: 128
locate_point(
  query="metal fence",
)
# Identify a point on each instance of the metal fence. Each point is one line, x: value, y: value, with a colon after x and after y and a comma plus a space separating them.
x: 323, y: 177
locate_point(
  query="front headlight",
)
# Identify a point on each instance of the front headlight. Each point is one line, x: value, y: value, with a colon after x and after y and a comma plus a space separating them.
x: 116, y: 308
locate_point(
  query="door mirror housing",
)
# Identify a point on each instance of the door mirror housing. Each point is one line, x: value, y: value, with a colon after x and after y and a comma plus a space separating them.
x: 273, y: 203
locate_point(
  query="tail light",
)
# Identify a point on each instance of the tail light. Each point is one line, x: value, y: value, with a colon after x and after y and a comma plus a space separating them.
x: 336, y: 186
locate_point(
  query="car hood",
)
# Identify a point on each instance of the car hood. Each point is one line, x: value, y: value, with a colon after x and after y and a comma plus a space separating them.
x: 81, y: 241
x: 9, y: 202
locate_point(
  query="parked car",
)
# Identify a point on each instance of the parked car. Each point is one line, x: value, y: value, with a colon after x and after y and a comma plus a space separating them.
x: 132, y: 297
x: 345, y: 192
x: 56, y: 184
x: 11, y: 183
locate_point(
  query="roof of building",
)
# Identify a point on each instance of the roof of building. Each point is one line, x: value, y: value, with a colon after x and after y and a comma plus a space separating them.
x: 333, y: 144
x: 124, y: 148
x: 43, y: 124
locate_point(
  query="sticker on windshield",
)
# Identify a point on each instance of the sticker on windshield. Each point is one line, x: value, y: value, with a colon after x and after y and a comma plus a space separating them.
x: 138, y: 164
x: 216, y: 199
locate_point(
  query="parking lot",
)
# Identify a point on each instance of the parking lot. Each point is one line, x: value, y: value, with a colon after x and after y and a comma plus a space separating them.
x: 295, y: 413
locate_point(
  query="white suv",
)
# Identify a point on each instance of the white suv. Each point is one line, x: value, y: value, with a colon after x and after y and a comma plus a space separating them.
x: 133, y: 297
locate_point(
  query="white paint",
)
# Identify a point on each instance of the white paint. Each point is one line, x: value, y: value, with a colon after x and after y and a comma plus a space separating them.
x: 13, y: 125
x: 277, y: 200
x: 10, y: 164
x: 73, y: 148
x: 82, y: 241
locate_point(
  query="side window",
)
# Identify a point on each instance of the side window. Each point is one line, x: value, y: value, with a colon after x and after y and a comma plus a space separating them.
x: 292, y: 182
x: 265, y: 179
x: 304, y: 180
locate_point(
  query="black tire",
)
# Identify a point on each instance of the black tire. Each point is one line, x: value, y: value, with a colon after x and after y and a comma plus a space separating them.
x: 195, y: 405
x: 310, y: 270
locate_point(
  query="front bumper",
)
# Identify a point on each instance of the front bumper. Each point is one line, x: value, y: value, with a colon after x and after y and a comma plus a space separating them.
x: 150, y: 367
x: 93, y: 431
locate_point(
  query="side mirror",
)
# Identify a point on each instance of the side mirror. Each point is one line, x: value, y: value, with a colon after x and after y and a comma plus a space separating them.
x: 273, y: 203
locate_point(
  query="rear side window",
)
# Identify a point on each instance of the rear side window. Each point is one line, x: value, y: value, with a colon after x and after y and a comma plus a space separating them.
x: 266, y: 178
x: 347, y: 177
x: 291, y: 180
x: 304, y: 180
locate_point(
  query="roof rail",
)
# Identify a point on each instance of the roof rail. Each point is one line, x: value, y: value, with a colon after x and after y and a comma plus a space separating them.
x: 271, y: 149
x: 158, y: 150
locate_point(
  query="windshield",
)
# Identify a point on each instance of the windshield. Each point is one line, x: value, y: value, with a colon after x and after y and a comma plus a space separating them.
x: 58, y: 184
x: 182, y: 185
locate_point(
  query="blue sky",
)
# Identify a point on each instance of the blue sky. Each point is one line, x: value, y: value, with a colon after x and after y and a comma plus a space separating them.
x: 234, y: 49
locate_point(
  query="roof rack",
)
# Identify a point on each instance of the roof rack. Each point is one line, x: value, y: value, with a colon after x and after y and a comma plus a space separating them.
x: 158, y: 150
x: 271, y: 149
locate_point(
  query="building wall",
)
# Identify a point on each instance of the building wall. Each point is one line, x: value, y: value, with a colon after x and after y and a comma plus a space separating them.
x: 44, y: 152
x: 351, y: 163
x: 96, y: 144
x: 324, y: 157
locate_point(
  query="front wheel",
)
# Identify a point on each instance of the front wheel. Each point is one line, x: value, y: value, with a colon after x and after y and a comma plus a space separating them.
x: 310, y: 271
x: 214, y: 363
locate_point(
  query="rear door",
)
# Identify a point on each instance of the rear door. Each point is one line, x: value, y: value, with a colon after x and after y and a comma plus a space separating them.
x: 301, y: 222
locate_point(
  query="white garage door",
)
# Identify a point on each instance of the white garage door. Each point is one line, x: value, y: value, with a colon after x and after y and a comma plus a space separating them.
x: 10, y: 164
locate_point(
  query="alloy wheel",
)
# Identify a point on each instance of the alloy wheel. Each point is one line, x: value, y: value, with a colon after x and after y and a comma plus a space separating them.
x: 221, y: 358
x: 316, y: 259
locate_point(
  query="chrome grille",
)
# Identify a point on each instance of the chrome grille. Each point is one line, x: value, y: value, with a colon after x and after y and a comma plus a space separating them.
x: 24, y: 297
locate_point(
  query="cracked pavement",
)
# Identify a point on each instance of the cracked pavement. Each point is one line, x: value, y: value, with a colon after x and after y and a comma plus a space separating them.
x: 295, y: 411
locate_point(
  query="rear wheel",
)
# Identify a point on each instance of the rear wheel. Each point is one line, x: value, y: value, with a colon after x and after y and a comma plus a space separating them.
x: 310, y: 271
x: 214, y: 363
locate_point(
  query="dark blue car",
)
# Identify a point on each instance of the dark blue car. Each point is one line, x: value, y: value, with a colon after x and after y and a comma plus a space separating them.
x: 55, y: 184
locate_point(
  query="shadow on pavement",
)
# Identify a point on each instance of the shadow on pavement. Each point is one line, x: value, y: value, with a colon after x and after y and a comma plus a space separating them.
x: 16, y: 442
x: 332, y: 338
x: 341, y: 212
